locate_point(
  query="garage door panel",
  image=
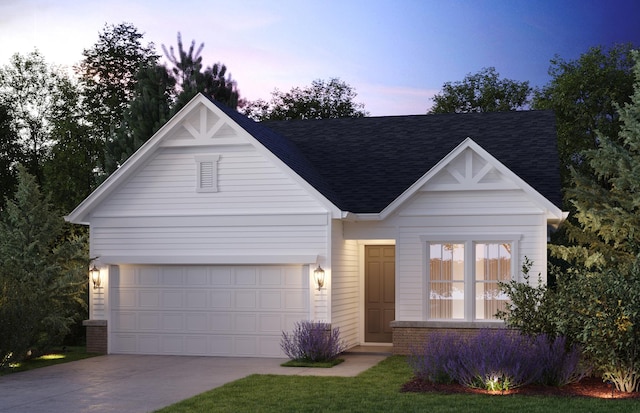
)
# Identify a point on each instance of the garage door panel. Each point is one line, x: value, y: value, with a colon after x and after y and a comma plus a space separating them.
x: 148, y: 299
x: 172, y: 299
x: 221, y: 322
x: 197, y: 322
x: 124, y: 298
x: 221, y: 299
x: 245, y: 300
x: 244, y: 323
x: 197, y: 299
x: 147, y: 276
x: 149, y: 321
x: 206, y: 310
x: 124, y: 321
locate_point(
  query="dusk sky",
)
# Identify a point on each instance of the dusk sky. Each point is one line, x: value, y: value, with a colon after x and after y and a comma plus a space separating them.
x: 397, y: 54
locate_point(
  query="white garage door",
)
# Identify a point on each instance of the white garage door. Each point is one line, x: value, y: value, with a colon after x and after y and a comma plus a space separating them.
x: 205, y: 310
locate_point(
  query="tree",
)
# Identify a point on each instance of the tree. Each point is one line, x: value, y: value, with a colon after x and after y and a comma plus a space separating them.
x: 606, y: 197
x: 10, y: 154
x: 322, y: 100
x: 191, y: 79
x: 29, y: 89
x: 108, y: 75
x: 149, y: 110
x: 70, y: 171
x: 482, y: 92
x: 596, y: 301
x: 42, y: 275
x: 584, y: 94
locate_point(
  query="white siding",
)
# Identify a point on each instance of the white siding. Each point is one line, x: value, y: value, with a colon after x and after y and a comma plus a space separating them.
x: 247, y: 183
x: 345, y: 298
x: 462, y: 213
x: 259, y: 210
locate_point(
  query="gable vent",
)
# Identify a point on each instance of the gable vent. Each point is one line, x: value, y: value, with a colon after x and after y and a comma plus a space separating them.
x: 207, y: 173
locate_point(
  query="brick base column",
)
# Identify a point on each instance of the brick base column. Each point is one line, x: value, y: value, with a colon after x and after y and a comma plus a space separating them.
x: 96, y: 336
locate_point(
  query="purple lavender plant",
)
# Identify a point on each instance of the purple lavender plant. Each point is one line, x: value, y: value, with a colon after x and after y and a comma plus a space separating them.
x: 312, y: 341
x: 496, y: 360
x: 560, y: 365
x: 432, y: 360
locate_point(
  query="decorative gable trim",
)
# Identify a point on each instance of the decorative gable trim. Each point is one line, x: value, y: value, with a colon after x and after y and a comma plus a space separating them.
x: 470, y: 167
x: 207, y: 173
x: 200, y: 122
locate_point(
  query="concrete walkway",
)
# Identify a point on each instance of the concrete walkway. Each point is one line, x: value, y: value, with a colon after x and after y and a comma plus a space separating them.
x: 132, y: 384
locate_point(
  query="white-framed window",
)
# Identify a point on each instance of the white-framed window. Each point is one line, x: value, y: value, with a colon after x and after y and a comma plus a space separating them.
x: 207, y: 173
x: 462, y: 275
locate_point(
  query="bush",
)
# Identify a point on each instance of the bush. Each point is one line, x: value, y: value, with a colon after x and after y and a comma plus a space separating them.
x: 601, y: 311
x: 561, y: 364
x: 528, y: 308
x: 433, y: 360
x: 496, y: 360
x: 312, y: 341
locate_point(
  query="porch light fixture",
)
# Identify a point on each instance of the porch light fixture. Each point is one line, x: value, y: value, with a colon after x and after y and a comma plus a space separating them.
x: 318, y: 275
x: 94, y: 273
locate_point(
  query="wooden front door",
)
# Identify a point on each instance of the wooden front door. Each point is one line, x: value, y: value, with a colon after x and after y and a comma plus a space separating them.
x: 380, y: 292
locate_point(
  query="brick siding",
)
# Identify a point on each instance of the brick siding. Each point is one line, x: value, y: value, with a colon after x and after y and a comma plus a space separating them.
x: 411, y: 334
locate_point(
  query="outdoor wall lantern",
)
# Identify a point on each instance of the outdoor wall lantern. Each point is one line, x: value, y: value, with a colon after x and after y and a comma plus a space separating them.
x: 318, y: 275
x: 95, y: 277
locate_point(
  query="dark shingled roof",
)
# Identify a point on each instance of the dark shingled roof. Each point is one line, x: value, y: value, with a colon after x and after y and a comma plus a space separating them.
x: 364, y: 164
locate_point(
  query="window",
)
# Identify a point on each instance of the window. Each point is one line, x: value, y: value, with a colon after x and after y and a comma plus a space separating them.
x: 207, y: 173
x: 463, y: 277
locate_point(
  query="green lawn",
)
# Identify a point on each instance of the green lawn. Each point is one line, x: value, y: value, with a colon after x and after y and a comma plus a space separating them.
x: 375, y: 390
x: 56, y: 356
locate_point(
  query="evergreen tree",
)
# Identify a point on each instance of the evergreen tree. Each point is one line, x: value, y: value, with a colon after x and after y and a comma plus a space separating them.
x: 192, y: 79
x: 10, y: 154
x: 149, y: 110
x: 42, y: 275
x: 607, y: 197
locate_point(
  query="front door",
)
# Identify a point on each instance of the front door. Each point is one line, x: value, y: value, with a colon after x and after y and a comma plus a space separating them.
x: 380, y: 292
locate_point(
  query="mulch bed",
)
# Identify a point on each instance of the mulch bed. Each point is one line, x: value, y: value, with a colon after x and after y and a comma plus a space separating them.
x: 587, y: 387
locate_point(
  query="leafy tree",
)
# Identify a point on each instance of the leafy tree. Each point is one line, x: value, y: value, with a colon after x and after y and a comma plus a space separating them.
x: 584, y: 94
x: 10, y: 154
x: 322, y: 100
x: 70, y: 170
x: 482, y: 92
x: 42, y: 275
x: 605, y: 196
x: 28, y: 88
x: 191, y: 78
x: 108, y: 74
x: 149, y: 110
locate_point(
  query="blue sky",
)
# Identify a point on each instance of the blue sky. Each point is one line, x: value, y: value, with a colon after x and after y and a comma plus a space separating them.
x: 396, y: 53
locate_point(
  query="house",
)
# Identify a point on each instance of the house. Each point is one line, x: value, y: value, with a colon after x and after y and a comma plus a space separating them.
x: 207, y: 239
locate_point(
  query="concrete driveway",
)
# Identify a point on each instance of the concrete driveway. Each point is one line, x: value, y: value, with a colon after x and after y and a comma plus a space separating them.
x: 130, y: 383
